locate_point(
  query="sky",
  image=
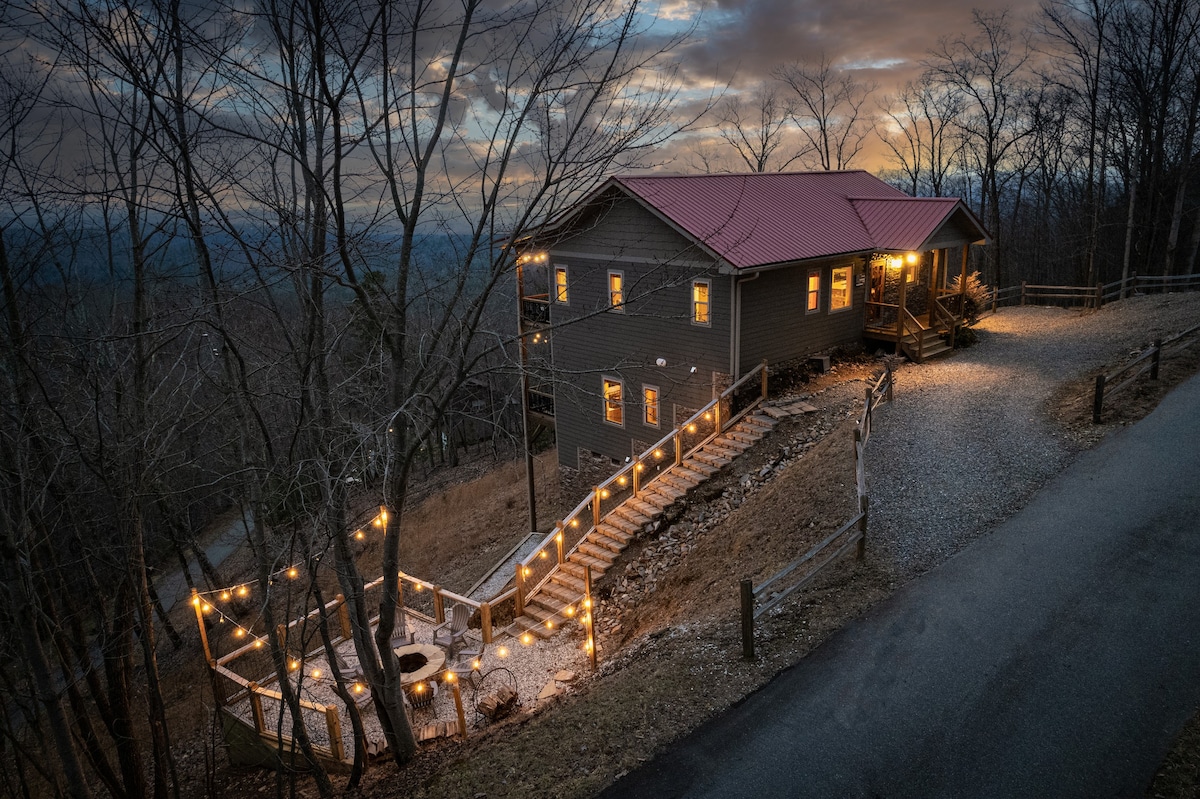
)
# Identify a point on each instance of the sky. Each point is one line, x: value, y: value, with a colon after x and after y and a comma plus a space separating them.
x: 737, y: 43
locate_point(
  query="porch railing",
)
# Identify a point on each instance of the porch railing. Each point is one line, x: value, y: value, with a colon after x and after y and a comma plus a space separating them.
x: 671, y: 450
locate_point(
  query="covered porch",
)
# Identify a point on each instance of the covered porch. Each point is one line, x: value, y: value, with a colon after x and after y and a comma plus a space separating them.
x: 910, y: 304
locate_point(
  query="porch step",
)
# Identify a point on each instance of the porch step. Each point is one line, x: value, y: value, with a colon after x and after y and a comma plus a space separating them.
x: 567, y: 581
x: 931, y: 347
x: 597, y: 565
x: 600, y: 539
x: 712, y: 459
x: 596, y: 551
x: 702, y: 468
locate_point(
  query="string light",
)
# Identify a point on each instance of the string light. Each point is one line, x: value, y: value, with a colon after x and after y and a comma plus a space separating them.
x: 502, y: 652
x: 225, y: 595
x: 359, y: 535
x: 543, y: 555
x: 526, y: 639
x: 293, y: 572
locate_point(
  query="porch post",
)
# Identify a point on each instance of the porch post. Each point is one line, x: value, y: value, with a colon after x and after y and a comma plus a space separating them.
x: 900, y: 311
x: 933, y: 287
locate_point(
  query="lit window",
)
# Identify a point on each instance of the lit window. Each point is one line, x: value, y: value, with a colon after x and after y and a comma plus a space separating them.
x: 813, y: 302
x: 616, y: 290
x: 614, y: 408
x: 839, y: 288
x: 650, y: 404
x: 560, y: 284
x: 700, y: 303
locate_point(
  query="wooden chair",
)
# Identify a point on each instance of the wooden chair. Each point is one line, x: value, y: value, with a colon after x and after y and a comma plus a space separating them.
x: 452, y: 633
x: 403, y: 633
x: 470, y: 660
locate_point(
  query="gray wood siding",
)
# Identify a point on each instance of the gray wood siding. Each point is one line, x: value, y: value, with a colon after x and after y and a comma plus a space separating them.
x: 622, y: 228
x: 591, y: 342
x: 775, y: 325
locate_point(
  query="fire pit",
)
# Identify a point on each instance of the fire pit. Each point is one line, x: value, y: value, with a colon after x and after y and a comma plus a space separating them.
x: 419, y: 662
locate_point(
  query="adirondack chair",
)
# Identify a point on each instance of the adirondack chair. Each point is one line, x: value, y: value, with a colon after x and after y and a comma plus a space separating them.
x: 403, y: 633
x: 452, y: 633
x: 466, y: 667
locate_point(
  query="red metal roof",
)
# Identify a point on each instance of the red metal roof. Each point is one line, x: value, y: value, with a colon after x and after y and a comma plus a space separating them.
x: 768, y: 218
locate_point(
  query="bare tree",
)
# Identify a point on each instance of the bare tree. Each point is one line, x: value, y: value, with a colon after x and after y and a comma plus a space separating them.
x: 923, y: 135
x: 988, y: 71
x: 757, y: 129
x: 827, y: 106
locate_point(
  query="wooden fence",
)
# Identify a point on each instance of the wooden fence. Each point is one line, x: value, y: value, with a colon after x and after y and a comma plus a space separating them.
x: 1091, y: 296
x: 1147, y: 361
x: 420, y: 598
x: 851, y: 534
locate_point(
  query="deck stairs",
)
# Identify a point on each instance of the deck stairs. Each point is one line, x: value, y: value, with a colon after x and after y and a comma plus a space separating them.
x: 928, y: 345
x: 547, y: 608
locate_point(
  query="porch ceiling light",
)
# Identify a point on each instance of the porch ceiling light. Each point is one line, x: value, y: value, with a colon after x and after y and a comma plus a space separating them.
x: 911, y: 257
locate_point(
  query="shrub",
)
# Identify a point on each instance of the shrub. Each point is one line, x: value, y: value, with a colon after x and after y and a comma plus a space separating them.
x: 977, y: 296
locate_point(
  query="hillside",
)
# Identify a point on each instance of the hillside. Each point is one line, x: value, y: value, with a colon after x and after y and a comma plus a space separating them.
x: 967, y: 441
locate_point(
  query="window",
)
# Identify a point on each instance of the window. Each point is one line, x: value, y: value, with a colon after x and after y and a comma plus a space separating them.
x: 813, y: 302
x: 839, y: 288
x: 560, y: 284
x: 614, y: 408
x: 616, y: 290
x: 701, y: 309
x: 650, y: 405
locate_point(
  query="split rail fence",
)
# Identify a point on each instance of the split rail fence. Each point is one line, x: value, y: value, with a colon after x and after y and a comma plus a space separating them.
x: 1091, y: 296
x: 851, y: 534
x: 1147, y: 361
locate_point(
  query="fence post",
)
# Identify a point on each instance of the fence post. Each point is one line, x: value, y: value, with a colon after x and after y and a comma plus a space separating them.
x: 485, y: 621
x: 637, y: 475
x: 678, y: 445
x: 519, y: 597
x: 1099, y: 294
x: 747, y: 592
x: 863, y: 502
x: 590, y: 607
x: 995, y: 298
x: 764, y: 378
x: 558, y: 540
x: 1098, y: 400
x: 1154, y: 360
x: 197, y: 603
x: 596, y: 506
x: 439, y: 605
x: 1022, y: 292
x: 890, y: 380
x: 335, y: 732
x: 344, y: 616
x: 256, y: 708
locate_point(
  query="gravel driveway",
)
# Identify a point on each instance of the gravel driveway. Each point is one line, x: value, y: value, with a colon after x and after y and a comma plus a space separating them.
x: 970, y: 437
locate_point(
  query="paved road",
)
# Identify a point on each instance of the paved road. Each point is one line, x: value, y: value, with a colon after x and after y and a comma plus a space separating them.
x: 1057, y: 657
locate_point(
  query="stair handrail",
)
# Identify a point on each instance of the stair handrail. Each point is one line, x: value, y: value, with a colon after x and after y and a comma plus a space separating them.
x: 906, y: 317
x: 557, y: 537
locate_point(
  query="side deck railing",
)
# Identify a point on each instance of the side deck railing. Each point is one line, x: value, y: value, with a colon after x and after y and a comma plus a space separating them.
x: 701, y: 427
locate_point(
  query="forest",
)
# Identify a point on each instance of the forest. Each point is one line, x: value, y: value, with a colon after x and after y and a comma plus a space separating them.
x: 252, y: 257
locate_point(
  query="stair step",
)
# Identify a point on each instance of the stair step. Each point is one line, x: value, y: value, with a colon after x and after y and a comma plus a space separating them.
x: 711, y: 459
x: 663, y: 487
x: 566, y: 580
x: 538, y: 629
x: 600, y: 539
x: 550, y: 604
x: 615, y: 533
x: 700, y: 467
x: 598, y: 566
x: 632, y: 514
x: 659, y: 501
x: 742, y: 436
x: 691, y: 473
x: 571, y: 570
x: 559, y: 592
x: 683, y: 478
x: 729, y: 442
x: 642, y: 508
x: 621, y: 523
x: 596, y: 551
x: 713, y: 448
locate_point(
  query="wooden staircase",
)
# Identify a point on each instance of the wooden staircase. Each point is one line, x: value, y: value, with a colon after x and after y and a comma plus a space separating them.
x: 928, y: 344
x: 559, y: 597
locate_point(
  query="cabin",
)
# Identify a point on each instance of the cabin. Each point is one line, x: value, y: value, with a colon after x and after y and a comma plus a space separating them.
x: 648, y: 297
